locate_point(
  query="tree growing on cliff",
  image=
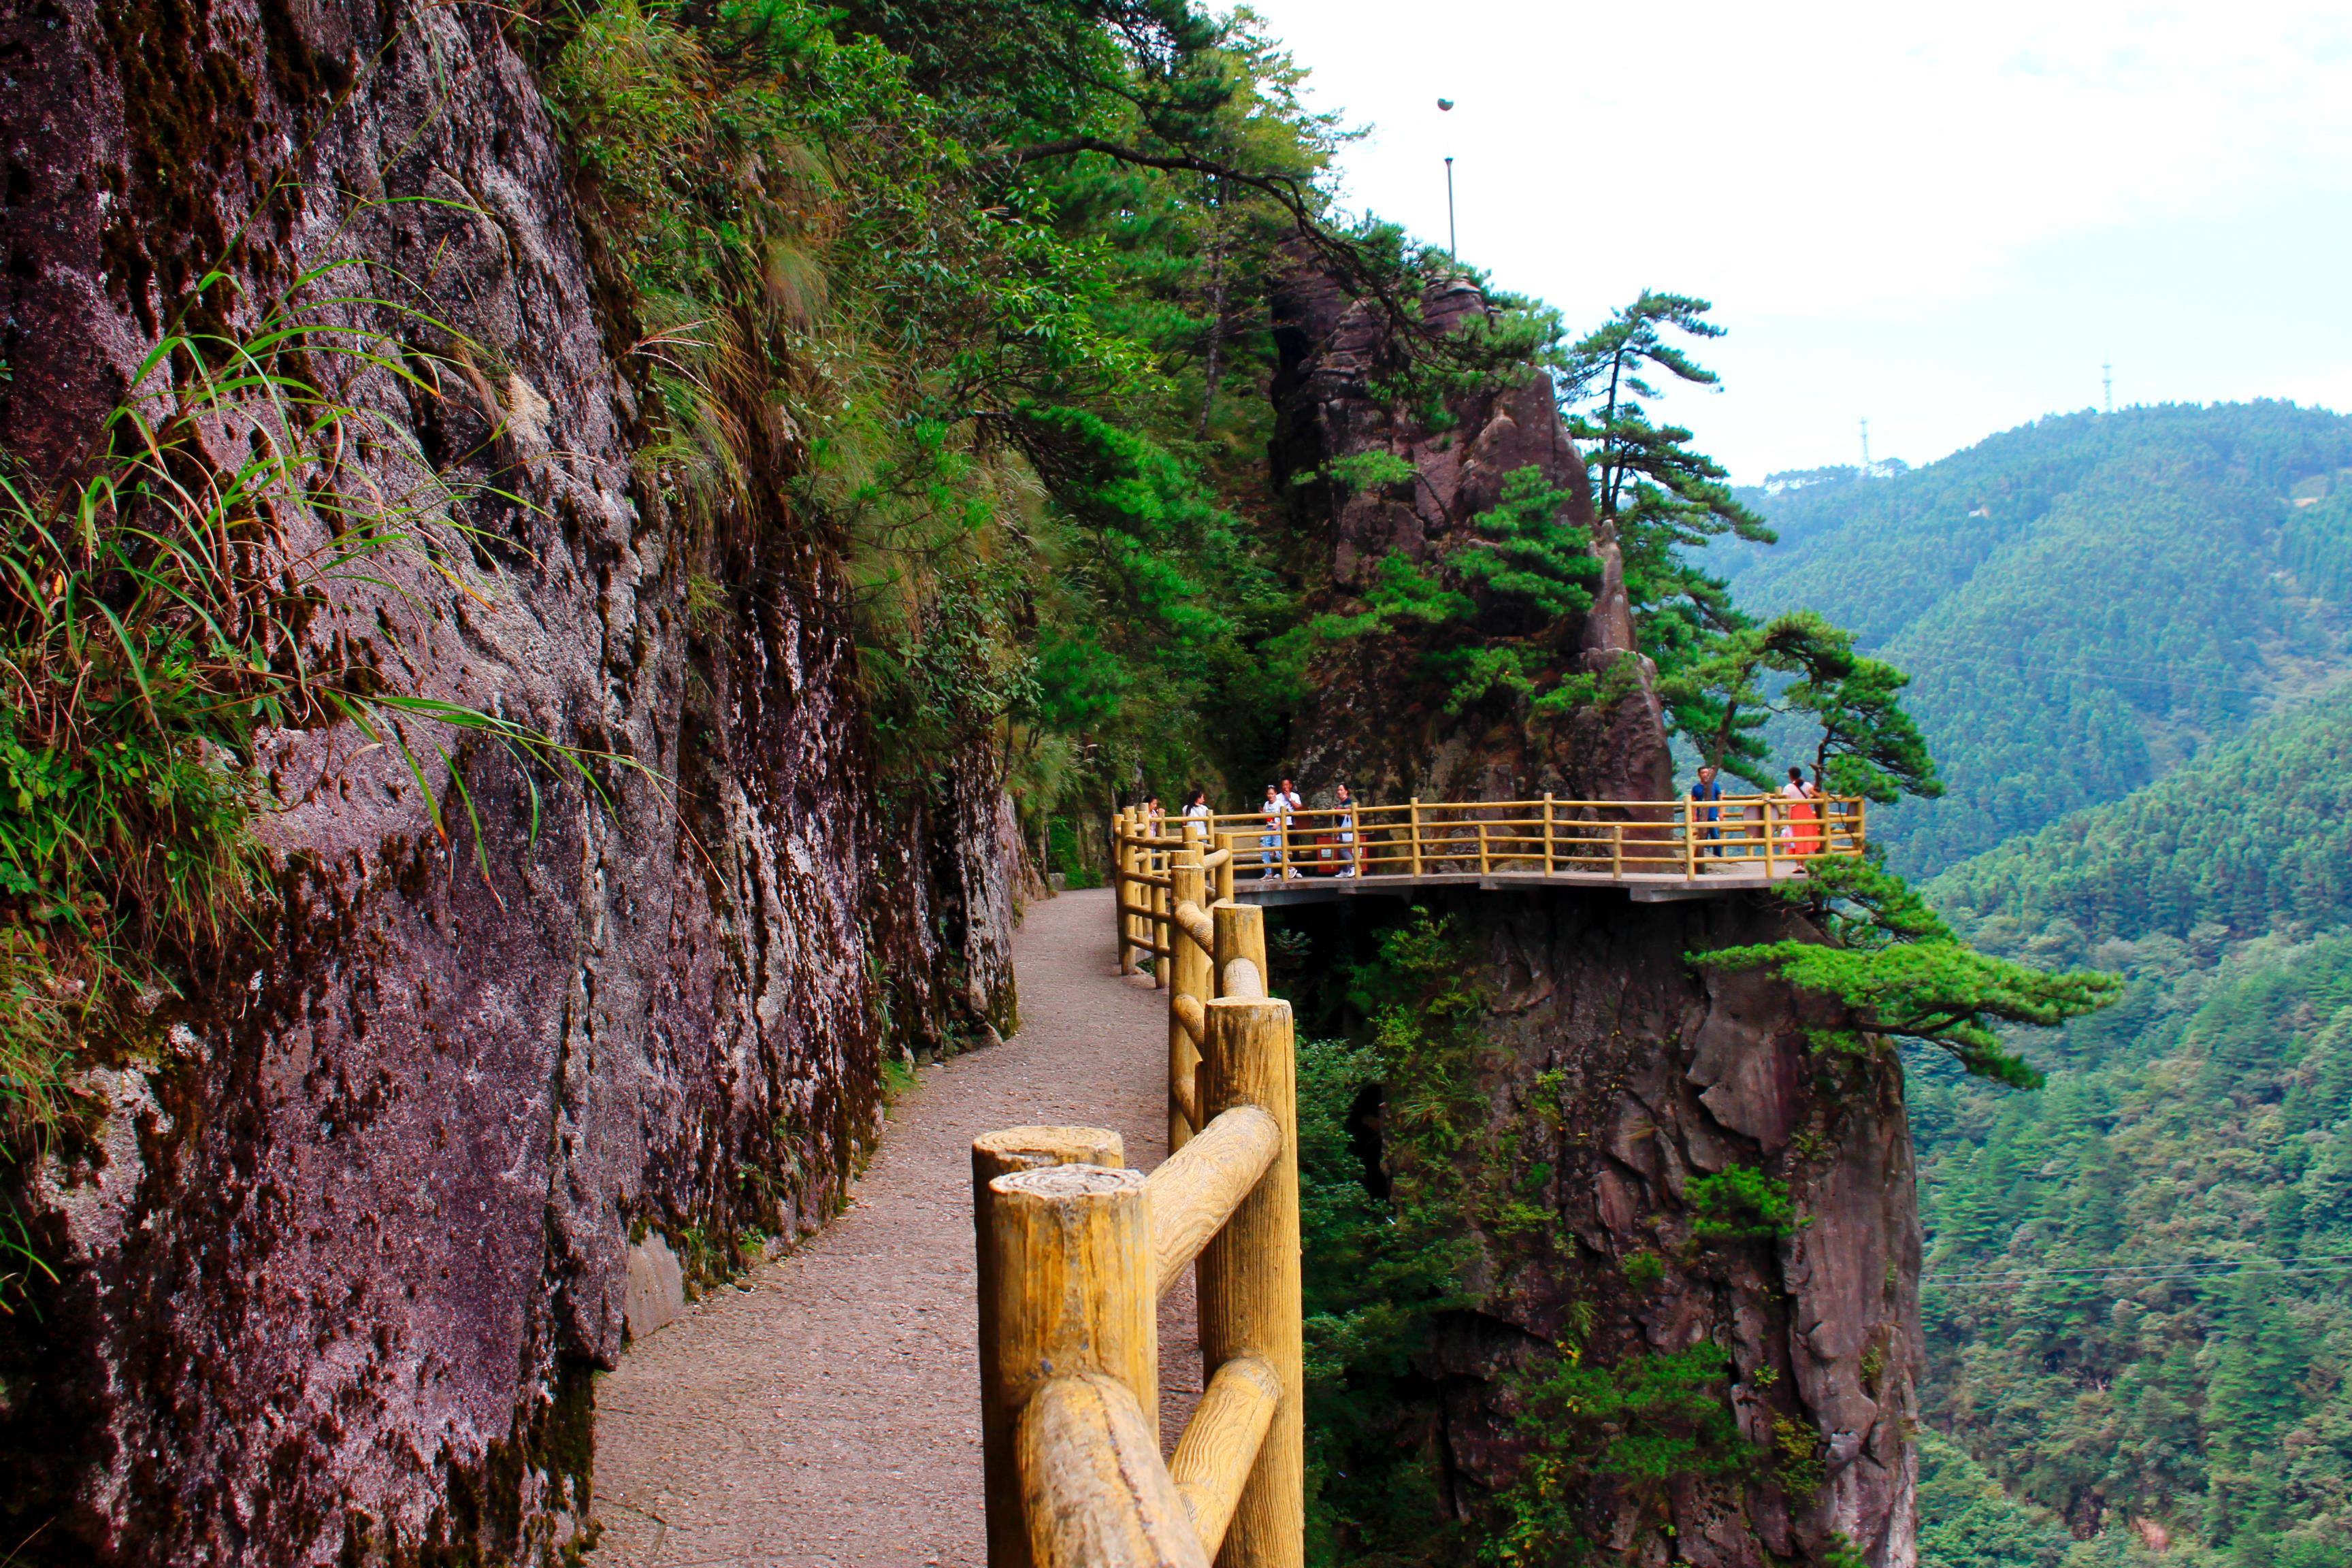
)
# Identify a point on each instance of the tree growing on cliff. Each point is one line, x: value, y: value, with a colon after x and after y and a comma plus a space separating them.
x: 1800, y: 666
x: 1654, y: 494
x: 1891, y: 961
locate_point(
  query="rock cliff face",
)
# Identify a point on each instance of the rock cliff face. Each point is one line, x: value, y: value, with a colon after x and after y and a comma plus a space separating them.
x: 1334, y: 352
x: 1613, y: 1065
x: 354, y: 1229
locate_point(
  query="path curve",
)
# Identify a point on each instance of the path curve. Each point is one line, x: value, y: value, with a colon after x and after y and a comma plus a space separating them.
x: 826, y: 1411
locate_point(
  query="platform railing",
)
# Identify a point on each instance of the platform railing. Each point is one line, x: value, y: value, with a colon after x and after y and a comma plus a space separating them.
x: 1768, y: 833
x: 1075, y: 1252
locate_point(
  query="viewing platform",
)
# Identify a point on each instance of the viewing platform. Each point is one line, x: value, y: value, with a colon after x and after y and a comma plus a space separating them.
x: 1656, y: 851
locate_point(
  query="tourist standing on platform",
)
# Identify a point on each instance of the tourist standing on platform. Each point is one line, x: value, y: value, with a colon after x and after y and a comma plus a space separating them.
x: 1269, y: 842
x: 1345, y: 821
x: 1707, y: 792
x: 1799, y: 830
x: 1196, y: 809
x: 1291, y: 802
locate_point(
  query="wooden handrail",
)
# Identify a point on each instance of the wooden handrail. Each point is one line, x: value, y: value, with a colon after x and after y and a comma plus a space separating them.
x: 1072, y: 1256
x: 1194, y: 921
x: 995, y: 1154
x: 1197, y: 1188
x: 1092, y: 1485
x: 1221, y: 1444
x: 1578, y: 841
x: 1069, y: 1456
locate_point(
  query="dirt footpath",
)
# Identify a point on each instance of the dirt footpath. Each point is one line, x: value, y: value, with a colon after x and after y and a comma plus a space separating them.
x: 829, y: 1414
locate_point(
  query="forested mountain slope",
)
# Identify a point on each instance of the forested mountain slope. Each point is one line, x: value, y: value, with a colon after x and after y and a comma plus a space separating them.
x: 2138, y: 1299
x: 2254, y: 831
x: 2084, y: 601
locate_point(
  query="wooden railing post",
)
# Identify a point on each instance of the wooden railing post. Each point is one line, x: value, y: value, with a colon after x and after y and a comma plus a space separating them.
x: 1188, y: 978
x: 1068, y: 1264
x: 1690, y: 839
x: 1617, y: 847
x: 995, y: 1154
x: 1118, y: 885
x: 1226, y: 872
x: 1249, y: 1276
x: 1482, y: 847
x: 1241, y: 939
x: 1415, y: 820
x: 1771, y: 849
x: 1163, y: 924
x: 1548, y: 850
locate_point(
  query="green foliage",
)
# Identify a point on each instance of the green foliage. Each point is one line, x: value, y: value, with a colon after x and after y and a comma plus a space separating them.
x: 1487, y: 617
x: 1632, y: 1431
x: 1741, y: 1203
x: 1384, y: 1244
x: 2135, y: 1305
x: 2082, y: 601
x: 2116, y: 1327
x: 1722, y: 678
x: 1724, y: 693
x: 1968, y: 1521
x: 1377, y: 470
x: 1891, y: 961
x: 1655, y: 495
x: 887, y: 292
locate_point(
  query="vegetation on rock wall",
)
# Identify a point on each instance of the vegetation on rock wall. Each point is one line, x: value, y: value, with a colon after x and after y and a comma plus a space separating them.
x: 1416, y: 1199
x: 165, y: 605
x: 971, y: 328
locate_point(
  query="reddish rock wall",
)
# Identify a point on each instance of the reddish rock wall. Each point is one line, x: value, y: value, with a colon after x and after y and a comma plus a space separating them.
x: 1630, y: 1076
x: 341, y: 1259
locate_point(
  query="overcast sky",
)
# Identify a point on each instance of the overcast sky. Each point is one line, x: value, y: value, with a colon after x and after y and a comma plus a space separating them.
x: 1940, y: 219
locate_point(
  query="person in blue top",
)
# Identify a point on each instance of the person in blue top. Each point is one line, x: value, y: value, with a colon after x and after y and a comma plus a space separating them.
x: 1709, y: 790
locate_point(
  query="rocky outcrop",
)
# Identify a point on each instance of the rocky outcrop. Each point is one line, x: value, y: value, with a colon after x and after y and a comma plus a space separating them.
x: 1616, y: 1072
x: 352, y: 1230
x: 1627, y: 1076
x: 1340, y: 358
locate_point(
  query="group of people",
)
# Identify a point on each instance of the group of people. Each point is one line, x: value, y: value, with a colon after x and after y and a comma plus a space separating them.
x: 1279, y: 852
x: 1800, y: 820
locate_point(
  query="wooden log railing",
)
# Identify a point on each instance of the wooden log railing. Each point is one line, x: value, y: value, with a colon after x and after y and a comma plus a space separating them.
x: 1580, y: 839
x: 1075, y: 1252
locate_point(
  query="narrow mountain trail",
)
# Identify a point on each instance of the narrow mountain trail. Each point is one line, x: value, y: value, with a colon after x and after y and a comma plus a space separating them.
x: 827, y: 1410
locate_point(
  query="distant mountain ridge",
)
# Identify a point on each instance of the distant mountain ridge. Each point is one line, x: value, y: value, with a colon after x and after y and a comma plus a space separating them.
x: 2085, y: 602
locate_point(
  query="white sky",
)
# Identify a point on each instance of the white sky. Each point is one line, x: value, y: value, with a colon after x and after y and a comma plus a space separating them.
x: 1940, y: 219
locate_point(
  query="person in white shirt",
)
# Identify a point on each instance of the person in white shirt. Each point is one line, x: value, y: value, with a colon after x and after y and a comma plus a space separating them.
x: 1289, y: 800
x: 1269, y: 843
x: 1344, y: 804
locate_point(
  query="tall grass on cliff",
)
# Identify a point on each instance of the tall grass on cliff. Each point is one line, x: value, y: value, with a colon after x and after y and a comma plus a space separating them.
x: 164, y: 610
